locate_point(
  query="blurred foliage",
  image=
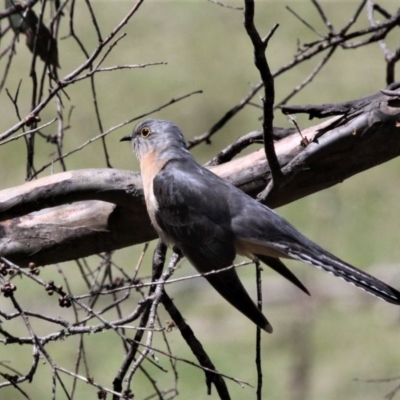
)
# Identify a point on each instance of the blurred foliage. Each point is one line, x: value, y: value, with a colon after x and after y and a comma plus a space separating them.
x: 206, y: 48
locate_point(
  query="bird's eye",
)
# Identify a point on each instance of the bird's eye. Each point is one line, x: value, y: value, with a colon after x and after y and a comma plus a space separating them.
x: 145, y: 132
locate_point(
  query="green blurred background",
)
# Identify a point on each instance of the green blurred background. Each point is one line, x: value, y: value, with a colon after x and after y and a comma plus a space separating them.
x: 320, y: 344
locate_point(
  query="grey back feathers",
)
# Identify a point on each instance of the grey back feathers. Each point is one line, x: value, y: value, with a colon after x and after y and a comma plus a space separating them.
x: 211, y: 222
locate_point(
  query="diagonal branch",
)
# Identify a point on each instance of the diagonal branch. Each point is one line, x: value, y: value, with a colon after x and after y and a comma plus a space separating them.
x: 78, y: 213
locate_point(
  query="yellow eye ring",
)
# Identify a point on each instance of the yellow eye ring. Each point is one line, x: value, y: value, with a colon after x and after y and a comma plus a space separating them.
x: 145, y: 132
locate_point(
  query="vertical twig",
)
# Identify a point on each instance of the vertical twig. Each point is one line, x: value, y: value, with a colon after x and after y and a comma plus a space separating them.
x: 258, y: 333
x: 158, y: 264
x: 260, y: 60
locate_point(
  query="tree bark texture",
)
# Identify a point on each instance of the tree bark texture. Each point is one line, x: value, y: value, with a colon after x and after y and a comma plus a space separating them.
x: 79, y: 213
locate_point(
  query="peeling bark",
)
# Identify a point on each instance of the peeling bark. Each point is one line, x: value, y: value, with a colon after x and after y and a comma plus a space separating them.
x: 79, y: 213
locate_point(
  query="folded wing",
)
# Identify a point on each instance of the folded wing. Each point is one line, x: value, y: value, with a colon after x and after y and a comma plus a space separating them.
x: 198, y: 222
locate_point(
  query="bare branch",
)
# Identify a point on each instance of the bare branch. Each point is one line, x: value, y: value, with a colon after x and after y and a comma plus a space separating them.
x: 260, y: 60
x: 345, y: 146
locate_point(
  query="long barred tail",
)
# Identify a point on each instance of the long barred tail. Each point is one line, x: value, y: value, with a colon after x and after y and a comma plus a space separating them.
x: 325, y: 261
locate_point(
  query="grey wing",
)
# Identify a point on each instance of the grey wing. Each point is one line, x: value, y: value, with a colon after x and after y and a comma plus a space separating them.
x: 197, y: 220
x: 278, y: 266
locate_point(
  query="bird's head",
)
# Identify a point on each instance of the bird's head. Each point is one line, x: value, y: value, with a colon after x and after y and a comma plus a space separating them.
x: 154, y: 135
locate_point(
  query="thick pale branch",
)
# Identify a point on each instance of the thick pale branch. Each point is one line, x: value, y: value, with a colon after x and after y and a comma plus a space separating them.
x: 123, y: 188
x: 79, y: 213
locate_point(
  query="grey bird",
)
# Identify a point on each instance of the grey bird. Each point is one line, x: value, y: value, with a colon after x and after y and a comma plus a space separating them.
x: 211, y: 221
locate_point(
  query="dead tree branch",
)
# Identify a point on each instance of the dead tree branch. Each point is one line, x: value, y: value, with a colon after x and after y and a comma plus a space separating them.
x: 79, y: 213
x: 260, y: 60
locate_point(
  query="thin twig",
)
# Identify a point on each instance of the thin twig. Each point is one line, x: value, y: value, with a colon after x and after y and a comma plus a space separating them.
x: 258, y: 333
x: 260, y: 45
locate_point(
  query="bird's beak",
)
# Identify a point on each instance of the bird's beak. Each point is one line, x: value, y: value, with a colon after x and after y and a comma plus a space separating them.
x: 127, y: 138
